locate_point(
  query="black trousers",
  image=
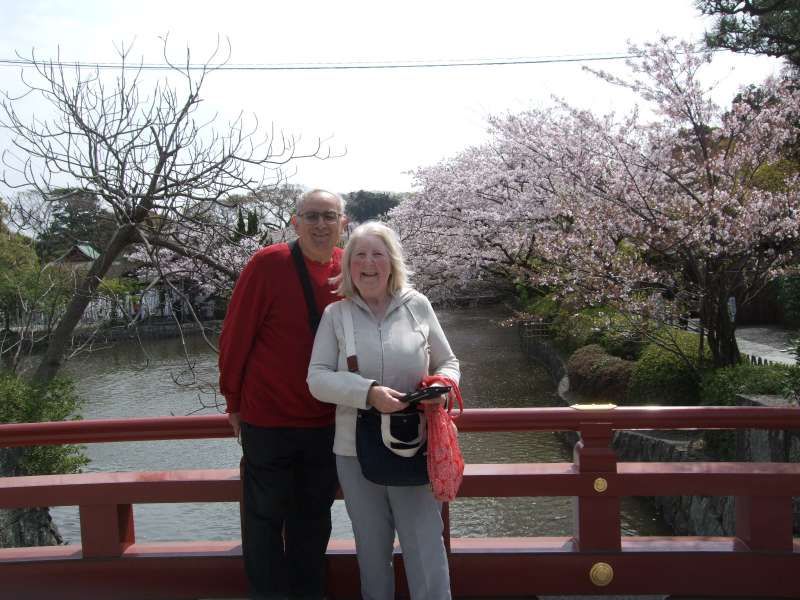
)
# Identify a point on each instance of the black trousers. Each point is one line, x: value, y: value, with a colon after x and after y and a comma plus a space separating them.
x: 289, y: 483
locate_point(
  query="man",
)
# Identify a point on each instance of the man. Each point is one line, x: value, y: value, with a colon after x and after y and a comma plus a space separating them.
x: 289, y: 475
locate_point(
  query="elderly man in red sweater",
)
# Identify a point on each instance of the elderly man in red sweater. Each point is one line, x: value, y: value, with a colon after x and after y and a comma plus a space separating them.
x: 287, y: 435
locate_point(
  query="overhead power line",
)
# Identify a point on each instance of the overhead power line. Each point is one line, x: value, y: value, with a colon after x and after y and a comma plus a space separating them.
x: 325, y: 66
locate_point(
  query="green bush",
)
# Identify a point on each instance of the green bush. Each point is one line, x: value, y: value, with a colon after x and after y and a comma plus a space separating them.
x: 662, y: 376
x: 789, y: 297
x: 21, y: 402
x: 721, y: 386
x: 598, y: 325
x: 623, y: 344
x: 793, y: 381
x: 595, y: 372
x: 544, y: 307
x: 572, y: 330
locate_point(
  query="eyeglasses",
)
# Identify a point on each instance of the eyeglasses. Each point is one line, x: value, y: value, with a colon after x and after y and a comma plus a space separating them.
x: 328, y: 216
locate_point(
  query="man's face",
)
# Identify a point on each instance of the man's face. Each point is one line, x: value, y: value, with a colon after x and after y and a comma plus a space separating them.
x: 319, y: 225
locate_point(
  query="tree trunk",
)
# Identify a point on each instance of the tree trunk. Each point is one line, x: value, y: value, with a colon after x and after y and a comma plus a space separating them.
x: 85, y: 291
x: 721, y: 334
x: 23, y: 527
x: 729, y: 348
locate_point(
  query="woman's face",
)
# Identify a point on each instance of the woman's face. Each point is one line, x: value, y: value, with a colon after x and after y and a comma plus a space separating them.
x: 370, y: 267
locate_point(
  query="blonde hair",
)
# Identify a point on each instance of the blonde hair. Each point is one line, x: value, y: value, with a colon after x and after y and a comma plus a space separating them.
x: 398, y: 274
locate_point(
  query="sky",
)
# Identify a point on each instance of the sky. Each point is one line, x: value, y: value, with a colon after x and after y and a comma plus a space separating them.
x: 380, y: 124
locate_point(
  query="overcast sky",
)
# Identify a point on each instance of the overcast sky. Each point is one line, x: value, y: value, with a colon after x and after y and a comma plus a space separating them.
x: 385, y: 121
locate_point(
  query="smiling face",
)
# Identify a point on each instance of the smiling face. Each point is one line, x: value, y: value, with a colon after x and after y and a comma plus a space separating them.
x: 319, y: 225
x: 370, y: 267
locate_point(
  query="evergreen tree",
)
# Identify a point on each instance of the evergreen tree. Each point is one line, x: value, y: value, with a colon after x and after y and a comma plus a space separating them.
x: 363, y: 206
x: 76, y: 218
x: 755, y: 26
x: 252, y: 223
x: 17, y: 265
x: 240, y: 226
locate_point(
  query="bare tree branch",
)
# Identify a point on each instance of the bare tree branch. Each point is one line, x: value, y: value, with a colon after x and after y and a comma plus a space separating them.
x: 158, y: 165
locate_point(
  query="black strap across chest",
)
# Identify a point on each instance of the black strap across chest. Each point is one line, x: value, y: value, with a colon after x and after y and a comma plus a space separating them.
x: 305, y: 280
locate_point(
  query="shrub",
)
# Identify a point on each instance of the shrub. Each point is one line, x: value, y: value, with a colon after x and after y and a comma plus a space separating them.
x: 598, y: 325
x: 789, y: 297
x: 21, y: 402
x: 623, y: 344
x: 721, y: 386
x: 572, y: 330
x: 662, y: 376
x: 594, y: 372
x: 793, y: 381
x: 544, y: 307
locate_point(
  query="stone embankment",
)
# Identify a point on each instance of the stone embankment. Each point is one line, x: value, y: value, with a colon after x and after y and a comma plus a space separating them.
x: 686, y: 515
x: 149, y: 329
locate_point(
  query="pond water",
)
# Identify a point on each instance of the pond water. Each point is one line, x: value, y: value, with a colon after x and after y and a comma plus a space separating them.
x: 132, y: 381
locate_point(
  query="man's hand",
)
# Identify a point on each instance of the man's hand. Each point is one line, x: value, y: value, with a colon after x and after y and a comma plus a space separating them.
x: 385, y: 399
x: 236, y: 422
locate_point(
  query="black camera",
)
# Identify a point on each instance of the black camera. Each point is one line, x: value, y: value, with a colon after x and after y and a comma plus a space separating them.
x: 426, y: 393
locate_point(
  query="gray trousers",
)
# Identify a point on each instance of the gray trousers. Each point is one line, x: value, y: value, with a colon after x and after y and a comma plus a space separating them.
x: 376, y: 511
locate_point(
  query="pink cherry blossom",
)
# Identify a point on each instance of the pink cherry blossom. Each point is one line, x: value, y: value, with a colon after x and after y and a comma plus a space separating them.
x: 658, y: 217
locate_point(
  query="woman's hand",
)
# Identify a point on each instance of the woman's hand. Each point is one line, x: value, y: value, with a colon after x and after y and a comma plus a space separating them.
x: 438, y: 400
x: 385, y: 399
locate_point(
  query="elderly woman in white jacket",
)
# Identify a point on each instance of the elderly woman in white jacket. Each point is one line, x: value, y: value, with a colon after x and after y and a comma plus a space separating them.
x: 399, y: 341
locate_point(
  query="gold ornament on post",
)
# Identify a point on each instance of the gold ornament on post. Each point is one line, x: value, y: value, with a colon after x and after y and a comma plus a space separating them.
x: 600, y: 485
x: 601, y: 574
x: 590, y: 407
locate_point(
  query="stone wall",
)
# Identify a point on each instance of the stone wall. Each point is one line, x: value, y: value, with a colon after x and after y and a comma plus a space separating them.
x: 768, y: 445
x: 686, y: 515
x: 542, y: 351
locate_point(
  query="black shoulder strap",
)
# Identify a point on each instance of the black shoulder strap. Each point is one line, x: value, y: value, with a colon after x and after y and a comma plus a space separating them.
x: 305, y: 280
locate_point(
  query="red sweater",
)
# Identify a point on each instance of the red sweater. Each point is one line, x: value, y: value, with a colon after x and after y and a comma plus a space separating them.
x: 266, y: 341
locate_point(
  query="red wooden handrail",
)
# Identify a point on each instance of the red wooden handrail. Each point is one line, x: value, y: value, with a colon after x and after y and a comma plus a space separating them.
x: 476, y: 419
x: 762, y: 559
x: 480, y: 480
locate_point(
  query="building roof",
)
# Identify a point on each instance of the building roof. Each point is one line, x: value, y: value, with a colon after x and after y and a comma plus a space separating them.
x: 81, y: 252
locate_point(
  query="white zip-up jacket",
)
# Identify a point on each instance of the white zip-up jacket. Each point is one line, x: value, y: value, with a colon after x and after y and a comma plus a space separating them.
x: 397, y: 352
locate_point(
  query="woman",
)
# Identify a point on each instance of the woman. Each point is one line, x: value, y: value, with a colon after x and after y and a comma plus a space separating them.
x: 398, y: 342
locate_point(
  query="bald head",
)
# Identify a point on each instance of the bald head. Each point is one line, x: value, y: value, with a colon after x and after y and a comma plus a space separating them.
x: 318, y: 193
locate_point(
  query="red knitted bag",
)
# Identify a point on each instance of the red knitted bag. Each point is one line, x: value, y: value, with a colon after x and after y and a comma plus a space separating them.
x: 445, y: 462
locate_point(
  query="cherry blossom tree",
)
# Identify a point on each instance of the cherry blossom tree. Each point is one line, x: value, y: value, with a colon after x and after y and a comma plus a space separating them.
x: 657, y: 214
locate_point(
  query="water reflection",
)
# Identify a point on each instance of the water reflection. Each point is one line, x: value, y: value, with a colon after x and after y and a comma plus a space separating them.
x: 128, y: 381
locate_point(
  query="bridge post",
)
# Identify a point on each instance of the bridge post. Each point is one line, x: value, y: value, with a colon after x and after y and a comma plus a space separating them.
x: 105, y: 529
x: 596, y: 509
x: 765, y: 522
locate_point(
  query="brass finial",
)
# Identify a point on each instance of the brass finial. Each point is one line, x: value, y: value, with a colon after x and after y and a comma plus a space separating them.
x: 606, y: 406
x: 601, y: 574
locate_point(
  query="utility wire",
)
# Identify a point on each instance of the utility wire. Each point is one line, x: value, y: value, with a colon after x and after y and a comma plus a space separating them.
x: 322, y: 66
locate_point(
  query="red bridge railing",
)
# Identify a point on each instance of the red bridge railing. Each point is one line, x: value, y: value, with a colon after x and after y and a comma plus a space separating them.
x: 762, y: 559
